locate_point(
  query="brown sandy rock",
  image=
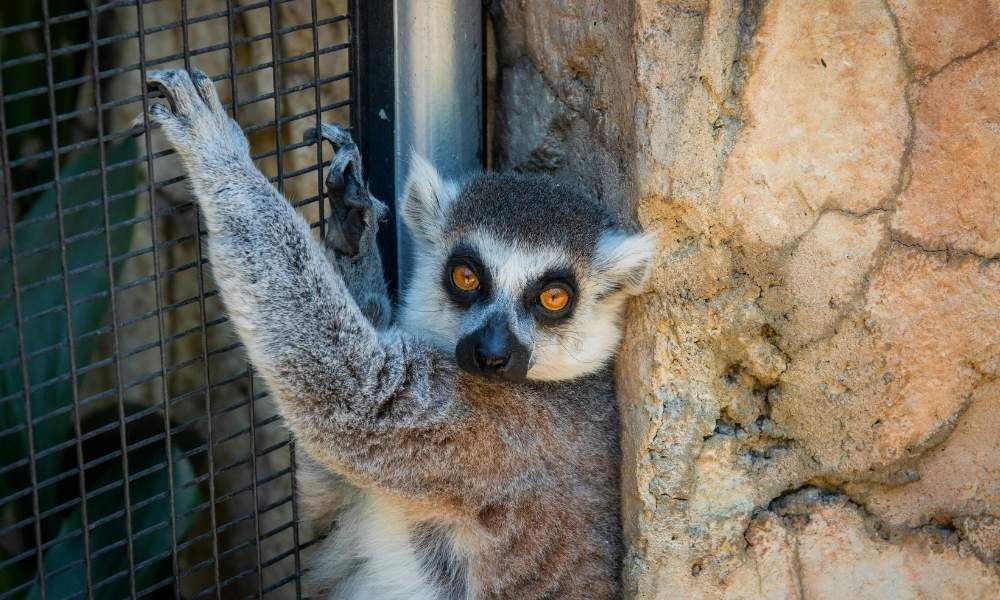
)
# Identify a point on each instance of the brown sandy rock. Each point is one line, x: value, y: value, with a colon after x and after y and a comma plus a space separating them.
x: 816, y: 547
x: 953, y: 198
x: 825, y: 117
x: 936, y: 32
x: 886, y: 389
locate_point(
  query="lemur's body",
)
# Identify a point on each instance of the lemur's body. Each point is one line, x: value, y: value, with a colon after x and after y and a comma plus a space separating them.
x: 439, y: 483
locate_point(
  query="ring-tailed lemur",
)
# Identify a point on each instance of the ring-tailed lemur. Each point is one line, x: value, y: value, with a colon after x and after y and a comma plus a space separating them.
x: 478, y: 435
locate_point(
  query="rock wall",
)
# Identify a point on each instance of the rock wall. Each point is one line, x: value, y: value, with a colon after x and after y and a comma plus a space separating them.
x: 809, y: 390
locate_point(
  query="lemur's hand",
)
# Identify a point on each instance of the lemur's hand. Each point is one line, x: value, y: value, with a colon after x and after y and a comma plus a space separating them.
x: 195, y: 123
x: 355, y: 212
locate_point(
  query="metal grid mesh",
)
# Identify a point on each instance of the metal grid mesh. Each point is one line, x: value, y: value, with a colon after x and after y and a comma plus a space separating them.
x: 139, y: 457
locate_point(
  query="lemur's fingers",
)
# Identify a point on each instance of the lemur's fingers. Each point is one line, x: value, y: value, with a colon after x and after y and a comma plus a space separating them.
x: 335, y: 134
x: 355, y: 211
x: 157, y: 111
x: 194, y: 123
x: 177, y: 87
x: 345, y: 181
x: 347, y: 160
x: 345, y: 172
x: 353, y: 216
x: 206, y: 89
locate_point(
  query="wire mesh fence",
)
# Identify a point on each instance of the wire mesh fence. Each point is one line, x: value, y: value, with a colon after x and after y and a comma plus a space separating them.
x: 139, y: 456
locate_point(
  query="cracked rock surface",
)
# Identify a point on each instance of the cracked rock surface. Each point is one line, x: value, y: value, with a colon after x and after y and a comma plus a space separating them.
x: 809, y: 391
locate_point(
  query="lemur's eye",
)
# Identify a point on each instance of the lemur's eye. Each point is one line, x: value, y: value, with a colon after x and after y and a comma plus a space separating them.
x: 464, y: 278
x: 554, y: 299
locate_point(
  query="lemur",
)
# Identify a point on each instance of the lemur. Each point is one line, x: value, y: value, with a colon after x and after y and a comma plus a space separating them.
x: 468, y: 448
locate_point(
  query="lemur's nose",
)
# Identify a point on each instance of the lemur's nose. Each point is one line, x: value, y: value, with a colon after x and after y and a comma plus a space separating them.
x: 491, y: 356
x: 493, y: 351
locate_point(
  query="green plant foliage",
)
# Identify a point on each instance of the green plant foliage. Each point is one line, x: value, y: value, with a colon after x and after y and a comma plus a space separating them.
x: 67, y: 241
x: 149, y: 487
x: 43, y: 307
x: 32, y: 75
x: 46, y: 345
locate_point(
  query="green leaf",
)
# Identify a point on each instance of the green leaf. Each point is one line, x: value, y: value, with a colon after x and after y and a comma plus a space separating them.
x: 64, y: 564
x: 45, y: 336
x: 33, y: 75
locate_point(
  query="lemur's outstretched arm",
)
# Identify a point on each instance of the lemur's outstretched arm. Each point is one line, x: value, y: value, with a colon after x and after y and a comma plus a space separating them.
x: 353, y: 224
x: 368, y: 403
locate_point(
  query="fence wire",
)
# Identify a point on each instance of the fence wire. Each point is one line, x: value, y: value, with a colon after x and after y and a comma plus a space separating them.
x: 139, y: 456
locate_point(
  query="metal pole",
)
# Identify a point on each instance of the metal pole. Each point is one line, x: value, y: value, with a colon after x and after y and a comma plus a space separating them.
x: 439, y: 93
x: 373, y: 116
x: 419, y: 89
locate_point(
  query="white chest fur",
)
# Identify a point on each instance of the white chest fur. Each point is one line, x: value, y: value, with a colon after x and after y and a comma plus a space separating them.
x: 371, y: 555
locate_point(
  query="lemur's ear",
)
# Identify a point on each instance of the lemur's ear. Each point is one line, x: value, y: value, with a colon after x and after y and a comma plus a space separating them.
x: 624, y: 261
x: 425, y: 200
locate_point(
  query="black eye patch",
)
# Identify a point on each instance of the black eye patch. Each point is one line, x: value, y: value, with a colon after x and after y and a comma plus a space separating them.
x: 562, y: 279
x: 465, y: 256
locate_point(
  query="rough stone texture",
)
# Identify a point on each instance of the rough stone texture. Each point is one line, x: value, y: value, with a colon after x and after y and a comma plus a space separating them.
x: 938, y: 31
x: 953, y: 200
x: 894, y: 384
x: 813, y: 546
x: 809, y: 391
x: 829, y: 136
x: 574, y: 116
x: 955, y: 480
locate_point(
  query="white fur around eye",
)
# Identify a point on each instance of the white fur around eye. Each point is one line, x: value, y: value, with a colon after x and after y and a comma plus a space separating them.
x: 581, y: 344
x: 426, y: 311
x: 588, y: 343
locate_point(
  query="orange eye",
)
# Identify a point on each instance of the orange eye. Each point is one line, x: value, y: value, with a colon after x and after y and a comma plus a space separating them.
x: 554, y: 299
x: 464, y: 278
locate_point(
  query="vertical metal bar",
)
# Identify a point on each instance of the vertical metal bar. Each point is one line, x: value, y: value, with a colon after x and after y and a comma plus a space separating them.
x: 106, y: 211
x: 157, y: 285
x: 373, y: 43
x: 253, y: 485
x: 439, y: 93
x: 252, y: 412
x: 276, y: 84
x: 318, y: 100
x: 109, y: 268
x: 484, y: 154
x: 63, y: 266
x: 352, y: 65
x: 295, y: 518
x: 22, y: 355
x: 210, y: 452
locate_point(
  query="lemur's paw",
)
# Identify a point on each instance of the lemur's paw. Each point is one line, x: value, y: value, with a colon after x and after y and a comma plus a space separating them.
x: 355, y: 212
x: 193, y: 120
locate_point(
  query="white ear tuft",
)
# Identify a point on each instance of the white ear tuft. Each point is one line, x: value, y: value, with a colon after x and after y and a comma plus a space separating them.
x: 425, y: 200
x: 624, y: 261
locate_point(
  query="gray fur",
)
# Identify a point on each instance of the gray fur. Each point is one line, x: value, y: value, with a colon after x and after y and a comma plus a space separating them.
x: 513, y: 486
x: 498, y: 202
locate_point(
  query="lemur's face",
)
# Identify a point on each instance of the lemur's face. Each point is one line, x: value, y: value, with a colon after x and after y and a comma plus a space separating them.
x: 520, y: 277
